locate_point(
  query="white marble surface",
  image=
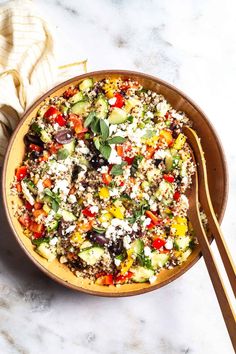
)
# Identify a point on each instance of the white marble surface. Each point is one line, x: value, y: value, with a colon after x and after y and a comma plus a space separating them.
x: 192, y: 45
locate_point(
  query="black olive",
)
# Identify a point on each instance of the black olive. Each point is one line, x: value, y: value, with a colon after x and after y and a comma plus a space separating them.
x: 32, y: 139
x: 157, y: 162
x: 98, y: 238
x: 98, y: 161
x: 34, y: 155
x: 64, y: 136
x: 76, y: 170
x: 117, y: 247
x: 178, y: 179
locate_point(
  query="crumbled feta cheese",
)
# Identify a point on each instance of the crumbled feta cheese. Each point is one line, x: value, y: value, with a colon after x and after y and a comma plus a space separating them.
x: 56, y: 126
x: 53, y: 241
x: 112, y: 100
x: 114, y: 192
x: 40, y: 186
x: 28, y: 196
x: 114, y: 158
x: 184, y: 201
x: 70, y: 229
x: 149, y: 114
x: 63, y: 259
x: 135, y: 227
x: 147, y: 222
x: 152, y: 279
x: 160, y: 154
x: 72, y: 199
x: 103, y: 169
x: 169, y: 244
x: 61, y: 186
x: 126, y: 242
x: 94, y: 209
x: 147, y: 251
x: 117, y: 262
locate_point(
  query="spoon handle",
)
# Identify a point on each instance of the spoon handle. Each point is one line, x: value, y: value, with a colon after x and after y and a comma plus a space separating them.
x: 205, y: 200
x: 223, y: 299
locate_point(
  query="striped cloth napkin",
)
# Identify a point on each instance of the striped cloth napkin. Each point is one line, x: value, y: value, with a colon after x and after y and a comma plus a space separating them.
x: 28, y: 63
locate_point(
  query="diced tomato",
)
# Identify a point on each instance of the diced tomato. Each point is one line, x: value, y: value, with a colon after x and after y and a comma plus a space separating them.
x: 122, y: 183
x: 35, y: 227
x: 150, y: 226
x: 60, y: 120
x: 47, y: 183
x: 150, y: 152
x: 158, y: 243
x: 119, y: 101
x: 176, y: 195
x: 105, y: 280
x: 25, y: 220
x: 153, y: 217
x: 51, y: 114
x: 106, y: 178
x: 38, y: 234
x: 34, y: 147
x: 77, y: 123
x: 28, y: 206
x: 123, y: 278
x: 38, y: 205
x: 88, y: 213
x: 169, y: 178
x: 54, y: 147
x: 21, y: 173
x: 70, y: 92
x: 120, y: 150
x: 100, y: 274
x: 129, y: 160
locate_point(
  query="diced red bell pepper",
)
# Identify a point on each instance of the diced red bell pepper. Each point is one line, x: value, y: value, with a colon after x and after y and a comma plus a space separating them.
x: 123, y: 278
x: 155, y: 220
x: 34, y: 147
x: 88, y: 213
x: 106, y: 178
x: 122, y: 183
x: 150, y: 226
x: 25, y: 220
x: 176, y: 195
x: 54, y: 147
x: 129, y: 160
x: 51, y: 114
x: 38, y: 234
x: 158, y: 243
x: 28, y: 206
x: 21, y: 173
x: 119, y: 101
x: 77, y: 123
x: 60, y: 120
x: 35, y: 227
x: 105, y: 280
x: 169, y: 178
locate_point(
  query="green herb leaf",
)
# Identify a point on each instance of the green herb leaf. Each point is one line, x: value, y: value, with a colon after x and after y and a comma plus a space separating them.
x: 99, y: 230
x: 62, y: 154
x: 96, y: 142
x: 104, y: 129
x: 38, y: 241
x: 48, y: 192
x: 89, y: 119
x: 95, y: 125
x: 135, y: 164
x: 36, y: 128
x: 130, y: 119
x: 105, y: 150
x: 117, y: 169
x: 55, y: 205
x: 116, y: 140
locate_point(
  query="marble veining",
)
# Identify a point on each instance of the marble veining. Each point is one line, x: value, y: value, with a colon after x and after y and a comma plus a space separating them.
x: 192, y: 45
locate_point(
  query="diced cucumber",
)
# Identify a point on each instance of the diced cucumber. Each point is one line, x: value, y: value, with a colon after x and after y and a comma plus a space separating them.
x: 45, y: 137
x: 117, y: 116
x: 131, y: 103
x: 66, y: 215
x: 70, y: 147
x: 26, y: 192
x: 52, y: 226
x: 101, y: 107
x: 141, y: 274
x: 81, y: 108
x: 91, y: 255
x: 76, y: 98
x: 158, y: 260
x: 86, y: 244
x: 46, y: 251
x: 181, y: 243
x: 64, y: 108
x: 169, y: 162
x: 86, y: 84
x: 137, y: 246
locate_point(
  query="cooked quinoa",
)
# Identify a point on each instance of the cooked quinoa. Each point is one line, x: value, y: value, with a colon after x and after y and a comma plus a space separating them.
x: 103, y: 182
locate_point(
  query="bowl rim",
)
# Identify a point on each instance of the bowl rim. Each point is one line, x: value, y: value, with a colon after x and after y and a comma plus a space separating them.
x: 107, y: 73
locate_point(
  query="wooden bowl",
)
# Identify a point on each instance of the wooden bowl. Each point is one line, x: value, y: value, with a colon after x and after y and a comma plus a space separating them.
x: 217, y: 174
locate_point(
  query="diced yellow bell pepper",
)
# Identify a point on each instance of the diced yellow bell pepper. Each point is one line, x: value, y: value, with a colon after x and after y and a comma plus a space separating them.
x: 46, y: 208
x: 105, y: 217
x: 167, y: 136
x: 77, y: 238
x: 179, y: 142
x: 126, y: 265
x: 104, y: 193
x: 180, y: 220
x: 179, y: 229
x: 117, y: 212
x: 152, y: 141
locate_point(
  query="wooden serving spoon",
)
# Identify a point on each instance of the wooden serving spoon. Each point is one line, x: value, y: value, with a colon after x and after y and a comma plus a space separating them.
x: 195, y: 218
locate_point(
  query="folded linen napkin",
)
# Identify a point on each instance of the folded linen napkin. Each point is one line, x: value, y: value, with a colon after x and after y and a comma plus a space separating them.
x: 28, y: 63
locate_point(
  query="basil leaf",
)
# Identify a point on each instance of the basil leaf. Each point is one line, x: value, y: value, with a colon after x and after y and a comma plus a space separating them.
x: 104, y: 129
x: 96, y: 142
x: 95, y: 126
x: 105, y: 150
x: 117, y: 169
x: 135, y: 164
x: 48, y: 192
x: 89, y: 119
x: 55, y: 205
x: 130, y: 119
x: 62, y: 154
x: 116, y: 140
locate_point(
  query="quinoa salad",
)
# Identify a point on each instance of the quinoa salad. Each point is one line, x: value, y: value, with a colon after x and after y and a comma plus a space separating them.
x: 103, y: 181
